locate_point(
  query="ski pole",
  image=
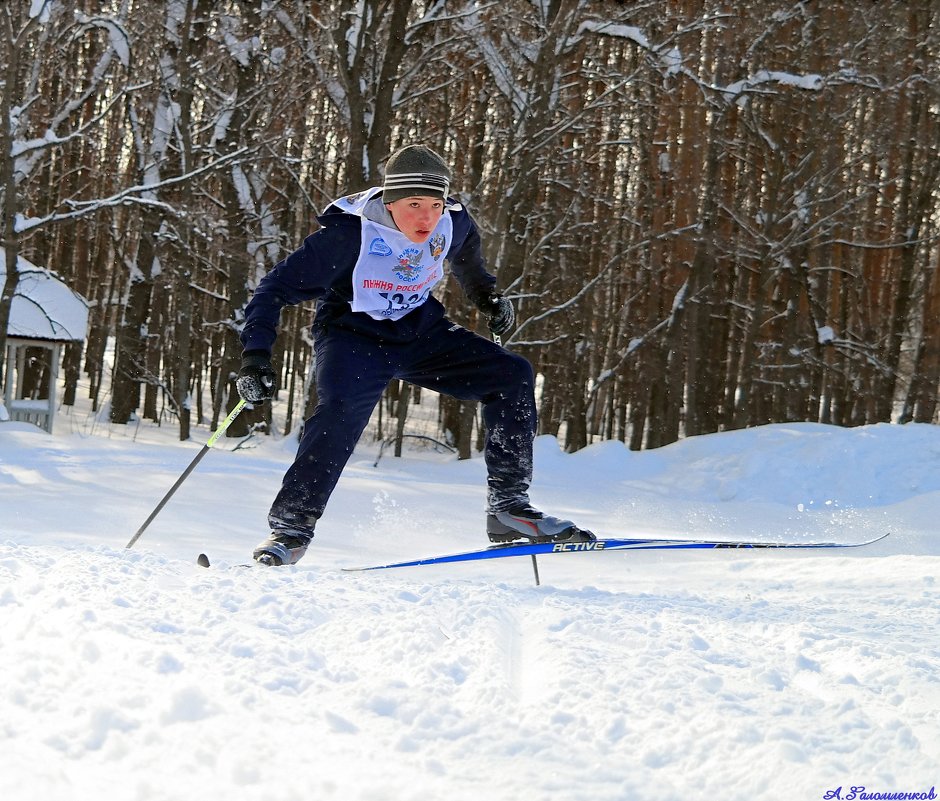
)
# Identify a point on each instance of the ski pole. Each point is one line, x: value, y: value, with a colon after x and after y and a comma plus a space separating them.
x: 192, y: 466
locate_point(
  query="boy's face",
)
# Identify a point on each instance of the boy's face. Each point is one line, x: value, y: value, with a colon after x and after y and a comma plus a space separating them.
x: 417, y: 216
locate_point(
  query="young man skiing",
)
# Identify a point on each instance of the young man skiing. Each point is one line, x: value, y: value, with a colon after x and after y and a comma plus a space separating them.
x: 371, y: 268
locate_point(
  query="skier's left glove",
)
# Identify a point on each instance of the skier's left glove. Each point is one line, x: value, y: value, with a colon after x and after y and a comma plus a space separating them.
x: 255, y: 382
x: 499, y: 314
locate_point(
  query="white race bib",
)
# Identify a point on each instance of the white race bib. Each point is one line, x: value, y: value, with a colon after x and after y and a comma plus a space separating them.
x: 394, y: 275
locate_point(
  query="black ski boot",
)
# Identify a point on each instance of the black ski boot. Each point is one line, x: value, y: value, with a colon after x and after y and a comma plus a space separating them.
x: 525, y: 523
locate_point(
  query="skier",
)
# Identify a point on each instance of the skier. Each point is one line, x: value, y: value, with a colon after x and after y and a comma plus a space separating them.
x: 371, y: 268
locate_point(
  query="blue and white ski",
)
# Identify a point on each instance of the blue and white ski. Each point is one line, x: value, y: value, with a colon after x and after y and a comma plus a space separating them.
x: 600, y: 545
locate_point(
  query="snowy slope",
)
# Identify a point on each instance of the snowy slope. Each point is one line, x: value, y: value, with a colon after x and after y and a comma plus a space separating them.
x: 634, y: 676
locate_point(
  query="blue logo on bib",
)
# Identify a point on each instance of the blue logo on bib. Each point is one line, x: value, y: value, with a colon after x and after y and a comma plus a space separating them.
x: 379, y: 248
x: 409, y: 265
x: 437, y: 243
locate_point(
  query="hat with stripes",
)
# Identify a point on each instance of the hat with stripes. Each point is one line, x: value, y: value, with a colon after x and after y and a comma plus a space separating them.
x: 414, y: 171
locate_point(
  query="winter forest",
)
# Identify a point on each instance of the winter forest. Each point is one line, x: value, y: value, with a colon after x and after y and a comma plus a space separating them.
x: 710, y: 215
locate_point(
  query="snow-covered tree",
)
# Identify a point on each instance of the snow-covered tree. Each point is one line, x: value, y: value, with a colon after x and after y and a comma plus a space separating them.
x: 61, y: 81
x: 709, y: 215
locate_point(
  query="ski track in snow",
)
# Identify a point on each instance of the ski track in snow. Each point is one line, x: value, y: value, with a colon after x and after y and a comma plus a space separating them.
x: 626, y: 677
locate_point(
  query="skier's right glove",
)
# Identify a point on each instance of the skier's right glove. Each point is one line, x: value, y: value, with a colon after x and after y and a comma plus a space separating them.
x: 255, y: 382
x: 499, y: 314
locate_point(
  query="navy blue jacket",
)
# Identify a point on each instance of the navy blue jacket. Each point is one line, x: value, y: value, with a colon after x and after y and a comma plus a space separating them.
x: 321, y: 269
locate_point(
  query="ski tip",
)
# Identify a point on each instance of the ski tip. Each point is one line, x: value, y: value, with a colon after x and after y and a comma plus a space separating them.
x: 202, y: 560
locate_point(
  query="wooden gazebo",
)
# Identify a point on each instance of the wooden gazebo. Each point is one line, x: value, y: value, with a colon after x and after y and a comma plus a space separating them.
x: 46, y: 314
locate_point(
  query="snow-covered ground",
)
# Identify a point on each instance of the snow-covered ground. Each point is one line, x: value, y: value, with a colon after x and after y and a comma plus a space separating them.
x: 627, y: 676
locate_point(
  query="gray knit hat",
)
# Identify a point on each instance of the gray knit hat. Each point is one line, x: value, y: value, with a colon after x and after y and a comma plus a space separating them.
x: 415, y: 170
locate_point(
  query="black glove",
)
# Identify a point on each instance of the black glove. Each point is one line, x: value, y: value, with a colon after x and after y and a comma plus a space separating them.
x: 499, y: 314
x: 255, y: 382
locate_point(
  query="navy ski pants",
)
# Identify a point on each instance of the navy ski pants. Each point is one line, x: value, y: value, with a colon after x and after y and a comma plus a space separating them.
x: 352, y: 370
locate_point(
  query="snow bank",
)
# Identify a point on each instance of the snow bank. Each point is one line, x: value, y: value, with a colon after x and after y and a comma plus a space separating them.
x: 643, y: 676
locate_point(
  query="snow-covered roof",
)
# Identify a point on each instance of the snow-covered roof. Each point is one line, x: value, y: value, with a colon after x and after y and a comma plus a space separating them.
x: 44, y: 307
